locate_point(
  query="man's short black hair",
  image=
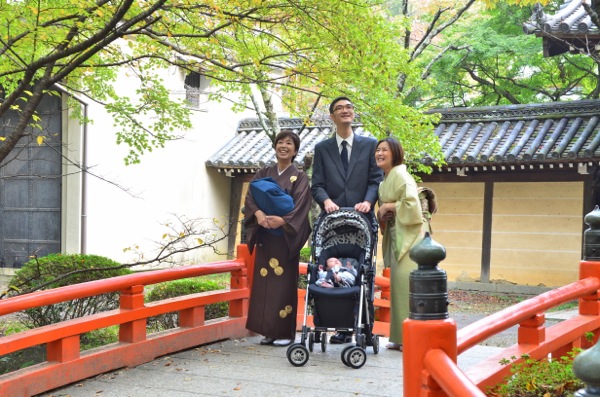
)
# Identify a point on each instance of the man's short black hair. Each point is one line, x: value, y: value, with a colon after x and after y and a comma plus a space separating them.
x: 336, y: 100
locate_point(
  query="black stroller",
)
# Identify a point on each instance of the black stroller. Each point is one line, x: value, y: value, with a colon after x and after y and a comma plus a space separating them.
x: 344, y: 234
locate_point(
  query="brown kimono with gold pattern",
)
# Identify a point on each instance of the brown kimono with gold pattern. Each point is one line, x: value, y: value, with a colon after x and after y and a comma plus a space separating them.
x: 274, y: 294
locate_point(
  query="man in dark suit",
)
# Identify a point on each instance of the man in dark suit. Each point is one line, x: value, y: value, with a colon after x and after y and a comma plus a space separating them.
x: 344, y: 171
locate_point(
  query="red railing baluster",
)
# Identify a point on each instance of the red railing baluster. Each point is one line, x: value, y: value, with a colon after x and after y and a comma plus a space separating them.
x: 134, y: 331
x: 63, y: 350
x: 532, y: 330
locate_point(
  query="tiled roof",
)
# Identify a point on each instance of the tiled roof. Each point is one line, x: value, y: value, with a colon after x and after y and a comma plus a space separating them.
x: 521, y: 135
x: 571, y: 17
x: 531, y: 135
x: 569, y: 29
x: 252, y: 149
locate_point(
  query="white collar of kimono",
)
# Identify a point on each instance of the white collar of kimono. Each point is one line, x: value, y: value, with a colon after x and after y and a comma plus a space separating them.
x: 283, y: 170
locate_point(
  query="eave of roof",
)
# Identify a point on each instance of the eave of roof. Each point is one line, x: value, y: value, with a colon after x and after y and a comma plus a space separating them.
x: 569, y: 30
x: 507, y: 137
x: 571, y: 18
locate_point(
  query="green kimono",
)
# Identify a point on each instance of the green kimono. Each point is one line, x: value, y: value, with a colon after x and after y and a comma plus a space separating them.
x: 399, y: 235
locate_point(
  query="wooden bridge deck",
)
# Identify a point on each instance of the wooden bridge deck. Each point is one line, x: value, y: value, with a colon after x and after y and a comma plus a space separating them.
x: 245, y: 368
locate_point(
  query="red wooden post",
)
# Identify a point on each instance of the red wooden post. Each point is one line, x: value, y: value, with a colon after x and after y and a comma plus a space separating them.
x: 241, y: 279
x: 420, y: 337
x: 533, y: 330
x: 192, y: 317
x: 63, y: 350
x: 134, y: 331
x: 383, y: 313
x: 589, y: 305
x: 428, y: 326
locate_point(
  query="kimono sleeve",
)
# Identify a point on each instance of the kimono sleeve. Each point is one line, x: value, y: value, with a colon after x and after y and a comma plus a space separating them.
x: 297, y: 226
x: 408, y: 219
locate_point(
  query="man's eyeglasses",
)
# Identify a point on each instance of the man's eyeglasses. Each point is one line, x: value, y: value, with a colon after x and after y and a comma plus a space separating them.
x: 341, y: 107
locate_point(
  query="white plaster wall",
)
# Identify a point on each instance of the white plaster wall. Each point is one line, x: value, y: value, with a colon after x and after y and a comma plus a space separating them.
x: 127, y: 205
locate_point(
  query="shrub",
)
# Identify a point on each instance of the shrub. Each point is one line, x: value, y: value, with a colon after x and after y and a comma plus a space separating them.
x: 22, y: 359
x: 100, y: 337
x: 55, y: 271
x: 59, y: 270
x: 544, y: 378
x: 172, y: 289
x: 305, y: 254
x: 304, y: 257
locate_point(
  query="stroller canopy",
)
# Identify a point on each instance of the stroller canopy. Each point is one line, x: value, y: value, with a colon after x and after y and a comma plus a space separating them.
x: 345, y: 226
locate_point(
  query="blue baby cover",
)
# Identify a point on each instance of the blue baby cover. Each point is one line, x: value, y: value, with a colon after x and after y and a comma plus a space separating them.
x: 271, y: 199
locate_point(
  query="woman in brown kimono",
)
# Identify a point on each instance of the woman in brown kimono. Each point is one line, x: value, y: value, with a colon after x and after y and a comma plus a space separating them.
x: 278, y: 240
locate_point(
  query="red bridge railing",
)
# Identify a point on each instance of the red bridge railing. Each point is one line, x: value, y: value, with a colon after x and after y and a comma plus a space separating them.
x: 431, y: 347
x: 430, y: 353
x: 66, y: 363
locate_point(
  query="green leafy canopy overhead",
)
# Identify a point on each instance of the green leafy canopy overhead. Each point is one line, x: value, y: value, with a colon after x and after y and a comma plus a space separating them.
x: 302, y: 51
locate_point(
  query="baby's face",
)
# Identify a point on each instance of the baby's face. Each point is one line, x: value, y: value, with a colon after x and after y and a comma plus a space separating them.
x: 333, y: 262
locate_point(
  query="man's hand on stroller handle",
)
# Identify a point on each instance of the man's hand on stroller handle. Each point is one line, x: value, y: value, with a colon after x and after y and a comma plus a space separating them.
x: 329, y: 206
x: 363, y: 207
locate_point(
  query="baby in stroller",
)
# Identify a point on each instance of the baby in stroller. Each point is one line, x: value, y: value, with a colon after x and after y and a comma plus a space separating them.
x: 336, y: 275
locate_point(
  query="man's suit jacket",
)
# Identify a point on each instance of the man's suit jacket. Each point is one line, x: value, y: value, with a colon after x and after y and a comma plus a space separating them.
x: 346, y: 189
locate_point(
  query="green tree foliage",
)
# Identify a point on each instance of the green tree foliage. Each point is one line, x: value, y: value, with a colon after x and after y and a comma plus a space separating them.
x: 474, y: 53
x: 300, y: 50
x: 497, y: 64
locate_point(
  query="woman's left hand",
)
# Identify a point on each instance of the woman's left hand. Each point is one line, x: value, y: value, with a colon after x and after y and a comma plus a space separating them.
x: 386, y: 212
x: 275, y: 221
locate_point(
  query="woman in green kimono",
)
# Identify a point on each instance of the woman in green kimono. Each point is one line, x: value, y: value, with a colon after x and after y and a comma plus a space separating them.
x: 277, y: 241
x: 402, y: 224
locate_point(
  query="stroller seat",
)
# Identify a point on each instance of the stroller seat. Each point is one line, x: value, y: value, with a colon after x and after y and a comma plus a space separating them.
x: 335, y: 307
x: 343, y: 252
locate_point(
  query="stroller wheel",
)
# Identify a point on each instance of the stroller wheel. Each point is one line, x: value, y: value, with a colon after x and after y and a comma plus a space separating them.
x: 297, y: 355
x: 311, y: 342
x: 356, y: 357
x: 344, y: 355
x: 323, y: 343
x: 375, y: 344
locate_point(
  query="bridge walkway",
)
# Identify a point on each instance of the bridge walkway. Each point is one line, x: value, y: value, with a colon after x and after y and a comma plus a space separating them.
x: 244, y: 368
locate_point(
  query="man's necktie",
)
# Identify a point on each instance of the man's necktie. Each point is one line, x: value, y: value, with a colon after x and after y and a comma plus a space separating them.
x: 344, y: 155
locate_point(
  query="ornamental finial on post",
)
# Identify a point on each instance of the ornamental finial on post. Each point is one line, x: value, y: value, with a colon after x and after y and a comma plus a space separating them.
x: 591, y: 236
x: 428, y: 287
x: 586, y: 367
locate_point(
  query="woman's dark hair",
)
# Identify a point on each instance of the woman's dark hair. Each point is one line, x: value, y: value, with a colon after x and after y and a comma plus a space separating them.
x: 289, y: 134
x: 336, y: 100
x: 396, y: 149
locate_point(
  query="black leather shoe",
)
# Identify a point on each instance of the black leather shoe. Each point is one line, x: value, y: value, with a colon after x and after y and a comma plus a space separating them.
x: 340, y: 338
x: 267, y: 341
